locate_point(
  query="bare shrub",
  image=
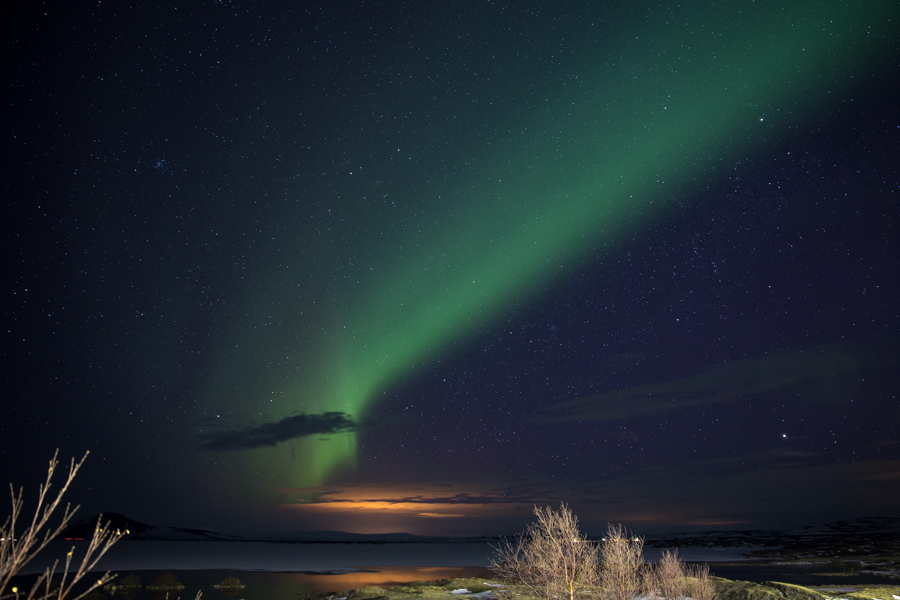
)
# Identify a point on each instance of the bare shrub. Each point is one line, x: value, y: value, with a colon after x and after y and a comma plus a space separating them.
x: 165, y: 582
x: 550, y: 559
x: 129, y: 582
x: 670, y: 575
x: 622, y: 560
x: 18, y: 548
x: 127, y: 587
x: 650, y: 583
x: 671, y: 579
x: 699, y: 585
x: 230, y: 583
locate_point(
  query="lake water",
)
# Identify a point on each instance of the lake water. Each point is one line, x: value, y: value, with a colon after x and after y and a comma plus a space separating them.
x: 129, y: 555
x: 281, y: 571
x: 290, y: 571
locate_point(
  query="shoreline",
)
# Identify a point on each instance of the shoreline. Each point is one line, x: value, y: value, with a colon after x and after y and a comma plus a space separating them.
x: 373, y: 582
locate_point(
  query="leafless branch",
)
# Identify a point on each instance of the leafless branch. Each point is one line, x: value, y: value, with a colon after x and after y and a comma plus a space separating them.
x: 16, y: 550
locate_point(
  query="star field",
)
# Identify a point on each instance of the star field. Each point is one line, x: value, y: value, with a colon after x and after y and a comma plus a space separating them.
x: 379, y: 266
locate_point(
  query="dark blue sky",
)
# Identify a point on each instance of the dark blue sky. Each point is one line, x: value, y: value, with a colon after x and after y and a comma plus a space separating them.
x: 394, y: 267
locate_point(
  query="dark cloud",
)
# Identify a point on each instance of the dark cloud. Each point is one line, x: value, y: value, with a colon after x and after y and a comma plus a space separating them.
x: 271, y: 434
x: 538, y: 492
x: 333, y: 496
x: 460, y: 499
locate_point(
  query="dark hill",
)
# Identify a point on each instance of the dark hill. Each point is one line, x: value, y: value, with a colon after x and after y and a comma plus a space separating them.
x: 141, y: 531
x: 85, y: 528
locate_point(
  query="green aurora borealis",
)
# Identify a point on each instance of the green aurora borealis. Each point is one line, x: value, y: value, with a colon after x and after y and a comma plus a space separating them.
x: 636, y: 124
x: 418, y: 267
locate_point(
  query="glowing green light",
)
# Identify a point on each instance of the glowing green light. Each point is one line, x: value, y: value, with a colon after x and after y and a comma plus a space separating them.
x: 624, y: 144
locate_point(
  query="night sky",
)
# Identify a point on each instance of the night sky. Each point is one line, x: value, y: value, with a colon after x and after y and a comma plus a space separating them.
x: 419, y: 266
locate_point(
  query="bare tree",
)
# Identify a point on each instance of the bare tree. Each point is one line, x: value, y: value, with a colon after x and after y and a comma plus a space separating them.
x: 622, y: 560
x: 18, y: 548
x: 550, y: 559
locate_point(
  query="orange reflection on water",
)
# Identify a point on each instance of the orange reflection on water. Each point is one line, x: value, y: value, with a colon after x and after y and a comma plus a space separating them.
x: 384, y: 576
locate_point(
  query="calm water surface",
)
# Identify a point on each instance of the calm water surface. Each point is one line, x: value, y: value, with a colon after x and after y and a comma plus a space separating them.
x: 269, y: 556
x: 290, y: 571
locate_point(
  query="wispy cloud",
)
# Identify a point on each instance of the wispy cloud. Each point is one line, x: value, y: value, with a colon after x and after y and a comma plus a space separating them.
x: 271, y: 434
x: 727, y: 383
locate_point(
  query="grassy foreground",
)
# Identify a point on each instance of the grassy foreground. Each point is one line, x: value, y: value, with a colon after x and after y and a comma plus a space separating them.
x: 420, y: 590
x: 726, y: 589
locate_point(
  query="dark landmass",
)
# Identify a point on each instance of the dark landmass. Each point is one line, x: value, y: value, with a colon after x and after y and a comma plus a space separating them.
x: 836, y: 534
x: 873, y: 537
x: 869, y: 546
x: 144, y: 532
x: 343, y: 537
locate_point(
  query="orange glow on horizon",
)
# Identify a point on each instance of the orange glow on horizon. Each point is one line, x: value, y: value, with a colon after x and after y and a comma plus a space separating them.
x: 716, y: 522
x: 420, y: 508
x: 476, y: 509
x: 432, y: 510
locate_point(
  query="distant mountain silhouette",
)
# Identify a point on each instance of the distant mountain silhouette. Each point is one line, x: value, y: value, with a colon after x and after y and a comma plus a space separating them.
x: 84, y: 529
x: 140, y: 531
x: 862, y: 527
x: 344, y: 536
